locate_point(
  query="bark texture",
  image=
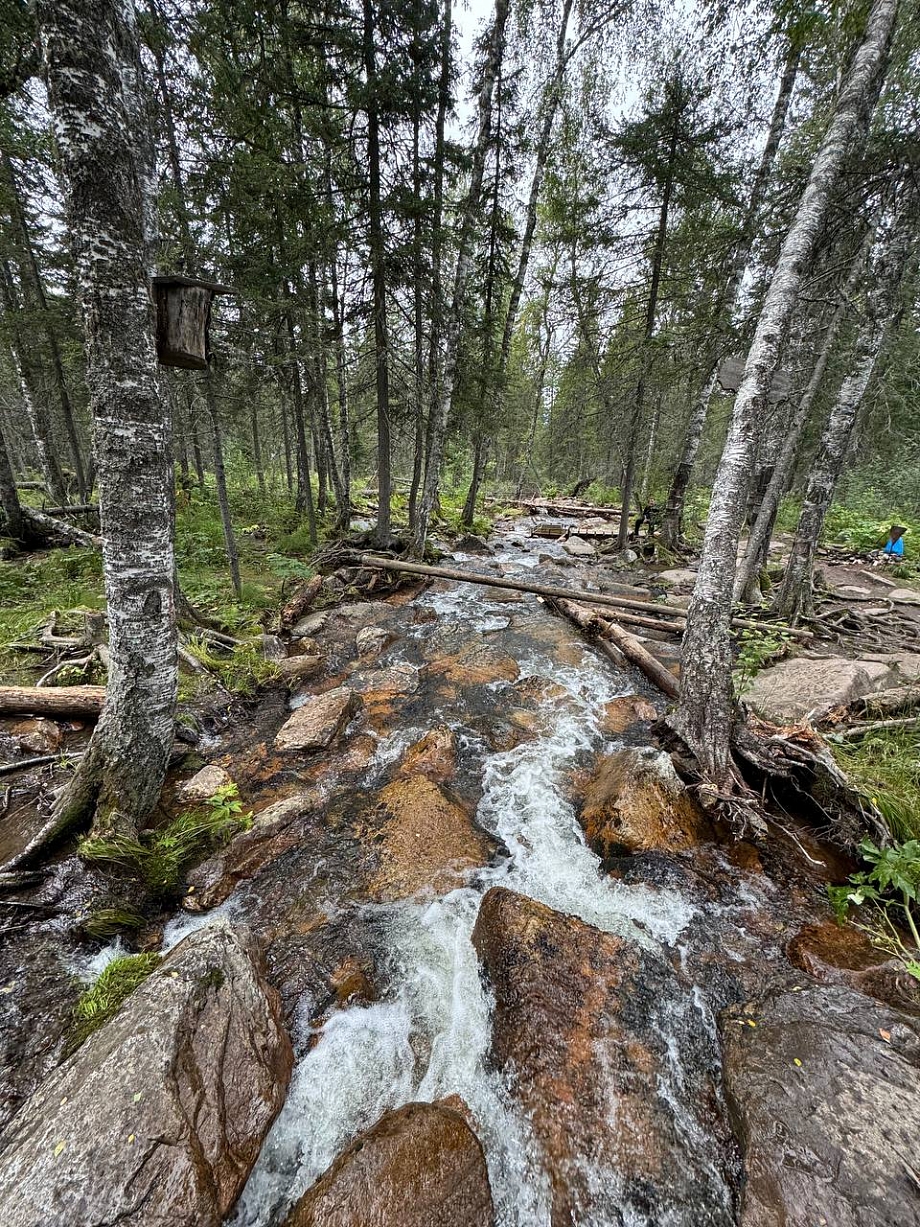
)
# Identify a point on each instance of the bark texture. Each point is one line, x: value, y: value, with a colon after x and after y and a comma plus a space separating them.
x: 705, y: 715
x: 672, y: 524
x: 92, y: 65
x: 795, y: 596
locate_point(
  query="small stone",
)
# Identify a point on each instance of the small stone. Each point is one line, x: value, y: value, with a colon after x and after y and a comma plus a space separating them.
x: 905, y: 596
x: 578, y: 547
x: 318, y: 721
x: 371, y: 640
x: 203, y: 785
x: 311, y: 625
x: 300, y: 667
x: 38, y: 736
x: 678, y: 577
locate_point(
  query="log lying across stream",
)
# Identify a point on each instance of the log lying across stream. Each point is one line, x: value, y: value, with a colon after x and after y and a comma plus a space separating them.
x: 53, y: 700
x: 677, y: 616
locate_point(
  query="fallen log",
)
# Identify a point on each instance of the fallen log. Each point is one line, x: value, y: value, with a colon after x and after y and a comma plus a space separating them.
x: 53, y: 700
x: 300, y: 603
x: 558, y: 593
x: 592, y: 623
x: 853, y: 732
x: 58, y: 528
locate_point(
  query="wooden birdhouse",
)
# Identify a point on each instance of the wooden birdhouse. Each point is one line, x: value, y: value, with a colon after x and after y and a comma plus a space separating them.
x: 183, y: 318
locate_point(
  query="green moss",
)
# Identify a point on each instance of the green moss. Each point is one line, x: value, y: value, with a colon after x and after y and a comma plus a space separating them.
x: 103, y: 999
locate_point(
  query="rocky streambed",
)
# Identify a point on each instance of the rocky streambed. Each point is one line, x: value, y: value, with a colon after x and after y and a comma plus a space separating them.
x: 480, y: 958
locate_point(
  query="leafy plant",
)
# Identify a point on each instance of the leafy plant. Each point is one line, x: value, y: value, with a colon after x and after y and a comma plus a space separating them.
x: 103, y: 999
x: 756, y: 648
x: 888, y: 889
x: 160, y: 856
x: 885, y: 767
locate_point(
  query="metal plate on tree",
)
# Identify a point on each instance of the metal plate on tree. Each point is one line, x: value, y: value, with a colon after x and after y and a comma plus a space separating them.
x: 731, y: 372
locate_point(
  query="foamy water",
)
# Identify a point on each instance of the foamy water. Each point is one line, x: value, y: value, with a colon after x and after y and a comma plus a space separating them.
x: 432, y: 1037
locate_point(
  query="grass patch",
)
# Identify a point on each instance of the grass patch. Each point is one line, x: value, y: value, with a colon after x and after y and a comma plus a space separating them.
x: 885, y: 767
x: 108, y: 922
x: 243, y: 672
x: 103, y: 999
x: 159, y: 857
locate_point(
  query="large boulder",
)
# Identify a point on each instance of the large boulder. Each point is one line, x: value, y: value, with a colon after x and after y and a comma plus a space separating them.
x: 812, y: 686
x: 427, y: 841
x: 634, y: 802
x: 835, y: 953
x: 592, y: 1029
x: 273, y: 831
x: 157, y: 1120
x: 318, y: 720
x: 822, y: 1084
x: 418, y: 1166
x: 578, y: 547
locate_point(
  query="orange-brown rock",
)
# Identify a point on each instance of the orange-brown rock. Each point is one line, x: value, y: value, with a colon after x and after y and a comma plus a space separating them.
x: 573, y: 1025
x: 471, y: 661
x: 841, y: 954
x: 318, y: 721
x: 38, y: 736
x: 420, y: 1166
x: 273, y: 831
x: 350, y: 983
x: 157, y: 1119
x: 622, y: 713
x: 427, y: 840
x: 434, y: 756
x: 634, y: 802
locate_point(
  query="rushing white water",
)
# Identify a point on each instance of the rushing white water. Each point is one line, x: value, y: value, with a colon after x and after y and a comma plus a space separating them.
x: 431, y: 1039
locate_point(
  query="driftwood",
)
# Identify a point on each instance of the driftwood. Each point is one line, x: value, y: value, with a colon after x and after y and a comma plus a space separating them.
x: 558, y: 593
x: 903, y: 724
x: 40, y: 760
x: 592, y: 623
x: 53, y: 700
x: 300, y: 603
x: 51, y: 527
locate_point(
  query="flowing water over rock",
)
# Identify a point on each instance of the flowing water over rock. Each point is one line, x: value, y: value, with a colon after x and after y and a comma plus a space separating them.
x: 440, y: 930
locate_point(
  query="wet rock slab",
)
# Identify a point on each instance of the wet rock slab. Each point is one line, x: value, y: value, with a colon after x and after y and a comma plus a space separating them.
x: 634, y: 802
x: 823, y: 1090
x: 588, y: 1024
x: 418, y: 1166
x: 318, y: 721
x: 157, y: 1120
x: 274, y: 830
x: 427, y: 841
x: 841, y: 954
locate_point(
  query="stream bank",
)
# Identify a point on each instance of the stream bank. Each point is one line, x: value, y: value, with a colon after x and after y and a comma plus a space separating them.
x: 474, y: 883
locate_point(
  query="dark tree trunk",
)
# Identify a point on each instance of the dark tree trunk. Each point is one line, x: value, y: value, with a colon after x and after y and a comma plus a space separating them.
x: 220, y: 479
x: 377, y: 242
x: 9, y: 496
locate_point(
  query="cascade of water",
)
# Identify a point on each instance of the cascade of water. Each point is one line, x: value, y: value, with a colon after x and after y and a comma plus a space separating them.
x: 432, y: 1037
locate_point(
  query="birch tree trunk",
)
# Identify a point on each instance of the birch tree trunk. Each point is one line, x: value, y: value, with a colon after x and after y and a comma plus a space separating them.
x: 9, y: 495
x: 31, y: 393
x: 747, y: 586
x: 443, y: 385
x: 795, y: 597
x: 706, y: 711
x: 95, y: 91
x: 30, y: 272
x: 672, y: 522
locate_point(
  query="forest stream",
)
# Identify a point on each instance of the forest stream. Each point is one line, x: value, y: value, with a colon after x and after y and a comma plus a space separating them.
x: 492, y: 894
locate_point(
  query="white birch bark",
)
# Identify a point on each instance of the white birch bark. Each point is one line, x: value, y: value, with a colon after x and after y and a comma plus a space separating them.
x: 92, y: 66
x: 746, y: 586
x: 706, y: 710
x: 672, y: 522
x: 795, y: 598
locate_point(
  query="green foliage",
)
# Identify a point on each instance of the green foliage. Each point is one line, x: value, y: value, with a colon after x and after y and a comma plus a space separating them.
x: 30, y: 588
x: 600, y: 495
x: 159, y: 857
x: 106, y: 922
x: 885, y: 767
x: 105, y: 997
x: 243, y: 672
x: 757, y: 648
x: 886, y: 893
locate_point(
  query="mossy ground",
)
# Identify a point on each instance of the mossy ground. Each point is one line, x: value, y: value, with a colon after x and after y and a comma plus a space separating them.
x: 103, y: 999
